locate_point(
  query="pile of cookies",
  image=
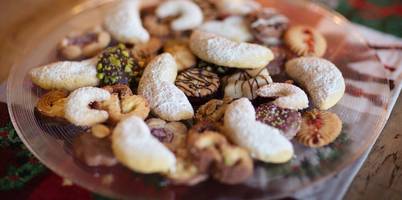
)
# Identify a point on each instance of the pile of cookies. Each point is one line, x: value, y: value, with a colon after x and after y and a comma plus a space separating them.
x: 193, y: 89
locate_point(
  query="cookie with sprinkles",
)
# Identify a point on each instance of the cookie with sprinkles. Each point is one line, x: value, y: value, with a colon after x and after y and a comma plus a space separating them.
x: 198, y: 84
x: 286, y: 120
x: 305, y: 41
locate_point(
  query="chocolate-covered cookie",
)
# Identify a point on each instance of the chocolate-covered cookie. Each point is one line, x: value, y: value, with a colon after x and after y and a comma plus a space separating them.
x: 198, y: 84
x: 116, y: 66
x: 286, y: 120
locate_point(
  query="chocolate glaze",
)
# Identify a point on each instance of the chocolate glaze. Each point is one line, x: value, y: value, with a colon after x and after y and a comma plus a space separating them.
x: 197, y: 82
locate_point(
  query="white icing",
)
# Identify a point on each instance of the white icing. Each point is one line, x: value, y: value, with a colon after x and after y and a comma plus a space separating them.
x: 77, y: 110
x: 191, y: 15
x: 136, y: 148
x: 124, y: 22
x: 264, y: 142
x: 289, y: 96
x: 67, y: 75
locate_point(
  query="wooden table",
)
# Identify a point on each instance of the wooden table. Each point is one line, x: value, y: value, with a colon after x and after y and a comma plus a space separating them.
x: 379, y: 178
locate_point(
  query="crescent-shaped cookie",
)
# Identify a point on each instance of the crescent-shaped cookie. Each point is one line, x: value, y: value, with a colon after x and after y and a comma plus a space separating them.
x: 264, y: 142
x: 65, y: 75
x: 321, y: 78
x: 135, y: 147
x: 224, y: 52
x: 157, y: 86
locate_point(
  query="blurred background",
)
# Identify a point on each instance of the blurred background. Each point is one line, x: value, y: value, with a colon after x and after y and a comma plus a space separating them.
x: 383, y: 15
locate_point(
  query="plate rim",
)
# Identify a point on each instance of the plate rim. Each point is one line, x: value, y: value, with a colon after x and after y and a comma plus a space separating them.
x: 93, y: 4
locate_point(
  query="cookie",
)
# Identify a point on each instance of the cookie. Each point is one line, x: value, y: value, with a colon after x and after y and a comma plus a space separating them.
x: 305, y: 41
x: 246, y: 83
x: 181, y: 52
x: 120, y: 108
x: 265, y: 143
x: 208, y: 8
x: 322, y: 80
x: 93, y: 151
x: 157, y: 86
x: 319, y: 128
x: 211, y: 153
x: 144, y: 53
x: 277, y: 66
x: 78, y: 45
x: 268, y: 26
x: 116, y: 66
x: 190, y: 15
x: 213, y: 110
x: 171, y: 134
x: 224, y: 52
x: 198, y: 85
x: 220, y: 70
x: 78, y: 111
x: 234, y: 28
x: 287, y: 95
x: 286, y: 120
x: 66, y: 75
x: 52, y: 103
x: 156, y: 27
x: 238, y: 7
x: 123, y: 22
x: 139, y: 150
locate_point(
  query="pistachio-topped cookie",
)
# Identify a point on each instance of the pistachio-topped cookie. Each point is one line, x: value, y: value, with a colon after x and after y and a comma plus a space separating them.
x: 115, y: 66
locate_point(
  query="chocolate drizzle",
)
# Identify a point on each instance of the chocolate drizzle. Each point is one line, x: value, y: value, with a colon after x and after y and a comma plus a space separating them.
x: 197, y: 82
x: 249, y: 82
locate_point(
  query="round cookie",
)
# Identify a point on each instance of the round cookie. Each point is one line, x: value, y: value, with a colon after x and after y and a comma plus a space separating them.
x: 198, y: 84
x: 319, y: 128
x: 116, y: 66
x: 246, y: 83
x: 305, y: 41
x: 268, y: 26
x: 286, y: 120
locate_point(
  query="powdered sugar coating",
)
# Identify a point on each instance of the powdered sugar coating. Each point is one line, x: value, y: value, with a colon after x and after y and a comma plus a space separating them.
x: 191, y: 15
x: 237, y: 7
x: 66, y: 75
x: 157, y: 86
x: 124, y: 23
x: 77, y: 110
x: 321, y: 78
x: 224, y: 52
x: 264, y: 142
x: 234, y: 28
x: 289, y: 96
x: 135, y: 147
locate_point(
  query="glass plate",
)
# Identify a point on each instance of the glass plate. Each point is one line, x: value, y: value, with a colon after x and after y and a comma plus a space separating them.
x: 362, y: 110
